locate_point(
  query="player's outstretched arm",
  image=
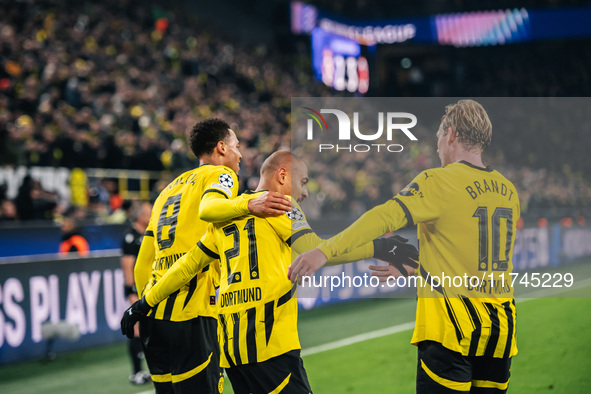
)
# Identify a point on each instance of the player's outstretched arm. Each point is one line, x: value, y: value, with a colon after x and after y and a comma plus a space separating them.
x: 269, y: 203
x: 306, y: 264
x: 372, y: 224
x: 383, y: 272
x: 395, y: 250
x: 183, y: 270
x: 216, y: 208
x: 376, y: 222
x: 311, y: 240
x: 180, y: 274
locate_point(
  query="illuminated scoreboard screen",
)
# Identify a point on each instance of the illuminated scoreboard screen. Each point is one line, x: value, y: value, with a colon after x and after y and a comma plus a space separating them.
x: 340, y: 46
x: 339, y: 63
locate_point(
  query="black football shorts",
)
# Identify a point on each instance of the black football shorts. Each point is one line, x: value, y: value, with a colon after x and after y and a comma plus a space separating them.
x: 184, y: 355
x: 283, y: 374
x: 443, y: 371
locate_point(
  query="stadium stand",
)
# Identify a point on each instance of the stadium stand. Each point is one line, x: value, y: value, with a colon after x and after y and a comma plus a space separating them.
x: 116, y: 85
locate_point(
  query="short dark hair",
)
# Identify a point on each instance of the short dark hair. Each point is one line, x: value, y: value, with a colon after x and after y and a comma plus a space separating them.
x: 206, y: 135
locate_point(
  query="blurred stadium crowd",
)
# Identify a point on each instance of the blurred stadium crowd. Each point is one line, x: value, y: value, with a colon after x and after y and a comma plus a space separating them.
x: 118, y: 84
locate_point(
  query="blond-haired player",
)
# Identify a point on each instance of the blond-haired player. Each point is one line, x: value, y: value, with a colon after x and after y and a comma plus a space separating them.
x: 466, y: 216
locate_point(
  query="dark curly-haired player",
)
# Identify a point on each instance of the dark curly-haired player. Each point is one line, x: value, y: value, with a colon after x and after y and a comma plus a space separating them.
x: 180, y: 333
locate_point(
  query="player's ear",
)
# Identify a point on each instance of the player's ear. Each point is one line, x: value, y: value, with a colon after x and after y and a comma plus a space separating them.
x: 282, y: 176
x: 221, y: 147
x: 452, y: 134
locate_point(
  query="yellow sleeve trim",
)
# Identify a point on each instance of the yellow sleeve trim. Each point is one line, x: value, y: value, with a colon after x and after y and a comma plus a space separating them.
x: 450, y: 384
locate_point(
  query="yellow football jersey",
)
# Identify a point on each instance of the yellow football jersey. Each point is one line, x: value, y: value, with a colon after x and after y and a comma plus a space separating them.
x: 466, y: 220
x: 257, y: 310
x: 175, y: 228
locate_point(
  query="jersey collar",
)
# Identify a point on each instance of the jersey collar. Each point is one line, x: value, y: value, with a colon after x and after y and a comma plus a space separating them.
x: 487, y: 169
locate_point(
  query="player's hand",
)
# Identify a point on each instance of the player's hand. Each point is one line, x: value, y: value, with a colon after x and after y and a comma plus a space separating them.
x: 269, y: 203
x: 383, y: 272
x: 396, y: 251
x: 306, y: 264
x: 132, y: 315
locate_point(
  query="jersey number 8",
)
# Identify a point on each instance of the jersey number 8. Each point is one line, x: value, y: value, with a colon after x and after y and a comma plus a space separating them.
x: 168, y: 220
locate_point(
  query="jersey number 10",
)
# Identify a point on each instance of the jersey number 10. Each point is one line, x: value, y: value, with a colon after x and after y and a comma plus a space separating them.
x: 499, y: 262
